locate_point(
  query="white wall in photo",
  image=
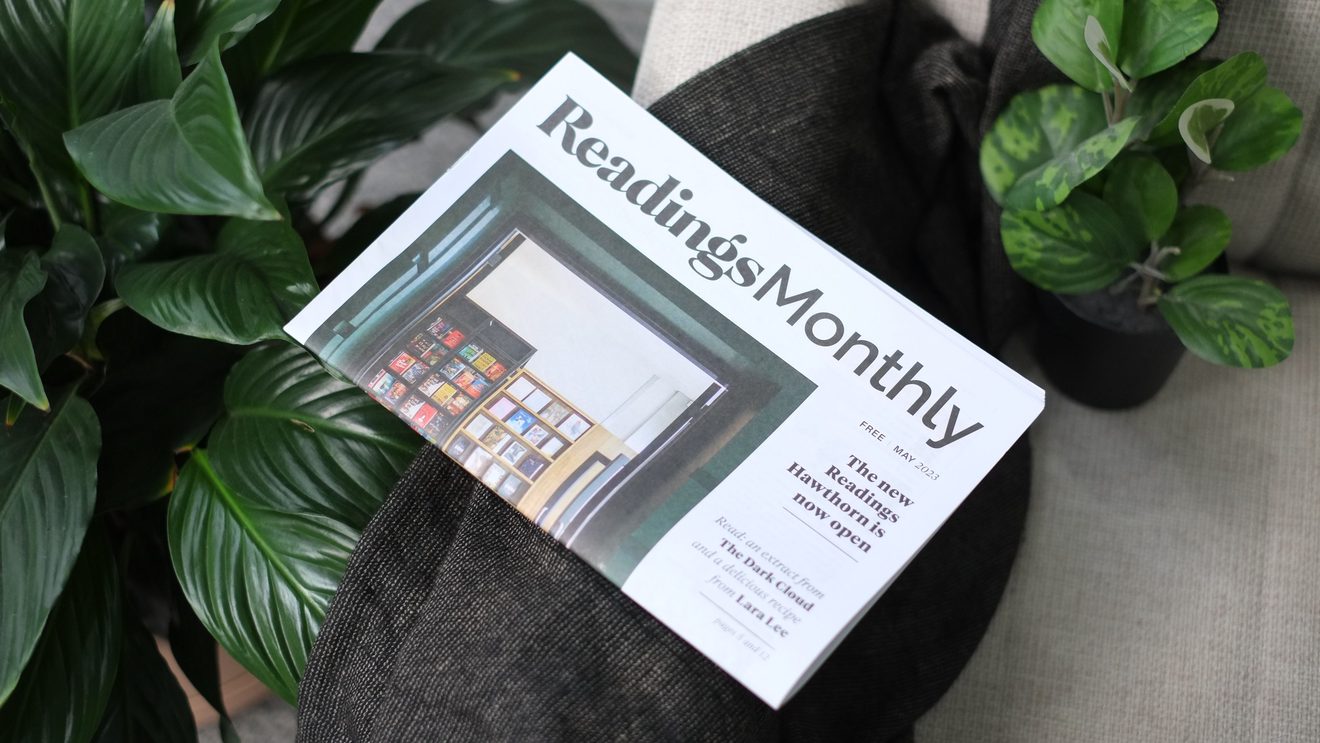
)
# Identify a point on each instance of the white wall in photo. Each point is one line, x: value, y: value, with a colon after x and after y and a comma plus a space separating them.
x: 589, y: 349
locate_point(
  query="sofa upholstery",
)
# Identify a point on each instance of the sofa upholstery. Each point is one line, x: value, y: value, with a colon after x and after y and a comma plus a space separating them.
x: 1166, y: 587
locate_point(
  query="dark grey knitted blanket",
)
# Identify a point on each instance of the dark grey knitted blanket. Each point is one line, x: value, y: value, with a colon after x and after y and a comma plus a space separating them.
x: 459, y: 620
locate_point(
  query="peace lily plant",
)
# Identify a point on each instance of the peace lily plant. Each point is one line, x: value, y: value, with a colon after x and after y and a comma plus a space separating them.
x: 1095, y: 178
x: 170, y: 462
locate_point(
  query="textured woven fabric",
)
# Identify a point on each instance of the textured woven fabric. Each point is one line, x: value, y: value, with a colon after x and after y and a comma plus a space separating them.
x: 1166, y: 589
x: 458, y: 620
x: 968, y: 16
x: 1276, y: 221
x: 688, y: 36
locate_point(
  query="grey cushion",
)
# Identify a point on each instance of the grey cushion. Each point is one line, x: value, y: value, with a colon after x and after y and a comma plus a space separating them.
x: 1166, y: 589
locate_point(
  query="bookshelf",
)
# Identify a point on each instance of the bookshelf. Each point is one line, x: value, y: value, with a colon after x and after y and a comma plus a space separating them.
x: 513, y: 436
x: 443, y: 365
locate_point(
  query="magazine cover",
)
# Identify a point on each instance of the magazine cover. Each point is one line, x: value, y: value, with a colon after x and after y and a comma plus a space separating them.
x: 745, y: 432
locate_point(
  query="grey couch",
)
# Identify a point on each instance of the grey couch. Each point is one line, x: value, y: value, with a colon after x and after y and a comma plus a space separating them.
x: 1167, y: 588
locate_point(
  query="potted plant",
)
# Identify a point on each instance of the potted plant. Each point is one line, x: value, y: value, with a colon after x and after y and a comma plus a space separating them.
x: 169, y: 462
x: 1097, y: 182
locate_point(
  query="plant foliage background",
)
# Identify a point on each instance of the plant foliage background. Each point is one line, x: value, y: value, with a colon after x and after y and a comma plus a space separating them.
x: 1096, y: 176
x: 170, y: 463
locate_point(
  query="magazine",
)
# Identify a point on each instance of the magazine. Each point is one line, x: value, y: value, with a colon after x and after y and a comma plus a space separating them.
x: 739, y: 427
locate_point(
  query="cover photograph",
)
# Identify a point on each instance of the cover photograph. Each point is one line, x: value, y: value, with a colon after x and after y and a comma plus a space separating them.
x: 746, y: 433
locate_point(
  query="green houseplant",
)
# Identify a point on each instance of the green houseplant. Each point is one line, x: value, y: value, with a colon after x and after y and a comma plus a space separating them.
x: 1097, y: 180
x: 169, y: 462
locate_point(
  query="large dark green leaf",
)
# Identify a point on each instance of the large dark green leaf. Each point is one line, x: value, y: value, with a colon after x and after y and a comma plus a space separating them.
x: 186, y: 155
x: 527, y: 36
x: 204, y: 24
x: 147, y: 705
x: 259, y: 579
x: 75, y: 272
x: 1261, y: 130
x: 64, y: 64
x: 64, y: 688
x: 154, y: 72
x: 148, y: 415
x: 1078, y: 247
x: 1235, y: 79
x: 128, y: 235
x: 1059, y: 30
x: 1046, y: 143
x: 299, y: 461
x: 1231, y: 320
x: 257, y: 279
x: 1143, y: 195
x: 1201, y: 233
x: 46, y: 499
x: 322, y: 120
x: 21, y: 279
x: 307, y: 441
x: 1158, y: 34
x: 296, y: 31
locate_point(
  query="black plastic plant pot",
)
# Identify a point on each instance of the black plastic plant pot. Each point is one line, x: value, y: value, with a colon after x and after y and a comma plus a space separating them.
x: 1103, y: 350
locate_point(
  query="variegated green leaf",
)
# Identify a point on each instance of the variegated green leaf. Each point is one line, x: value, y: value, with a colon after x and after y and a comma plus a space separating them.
x: 1231, y: 320
x: 1156, y: 96
x: 1078, y: 247
x: 1199, y: 122
x: 1201, y: 233
x: 1158, y: 34
x: 1143, y: 195
x: 1265, y: 126
x: 1046, y: 143
x: 1098, y: 42
x: 1059, y: 30
x: 1235, y: 79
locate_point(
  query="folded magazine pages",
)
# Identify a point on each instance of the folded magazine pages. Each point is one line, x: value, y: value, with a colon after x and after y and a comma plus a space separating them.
x: 745, y: 432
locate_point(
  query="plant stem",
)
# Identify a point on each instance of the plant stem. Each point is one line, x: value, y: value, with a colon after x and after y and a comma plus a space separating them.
x: 1149, y: 271
x: 52, y: 208
x: 1150, y: 293
x: 1121, y: 96
x: 88, y: 209
x: 87, y: 344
